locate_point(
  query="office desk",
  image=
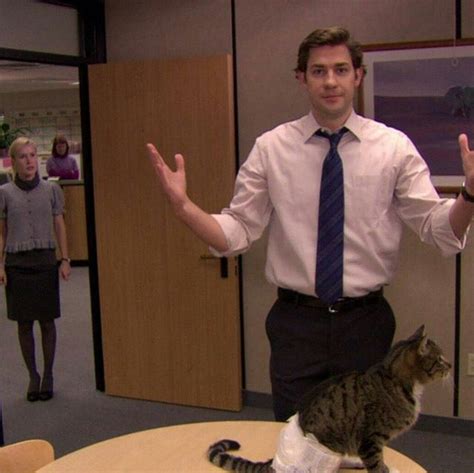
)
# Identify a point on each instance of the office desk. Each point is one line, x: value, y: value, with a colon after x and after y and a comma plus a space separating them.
x: 182, y: 448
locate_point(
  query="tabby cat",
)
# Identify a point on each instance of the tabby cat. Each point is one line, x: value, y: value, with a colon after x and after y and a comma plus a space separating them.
x: 354, y: 414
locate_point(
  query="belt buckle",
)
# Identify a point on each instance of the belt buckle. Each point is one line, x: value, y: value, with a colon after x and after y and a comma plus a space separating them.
x: 335, y: 307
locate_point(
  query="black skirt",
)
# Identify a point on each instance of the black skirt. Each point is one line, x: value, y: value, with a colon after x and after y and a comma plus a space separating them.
x: 32, y: 289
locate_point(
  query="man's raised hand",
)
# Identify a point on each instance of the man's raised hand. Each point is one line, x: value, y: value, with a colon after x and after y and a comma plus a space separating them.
x: 467, y: 162
x: 173, y: 183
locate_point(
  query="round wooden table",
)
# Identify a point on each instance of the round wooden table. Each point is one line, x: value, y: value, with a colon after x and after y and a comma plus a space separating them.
x: 182, y: 448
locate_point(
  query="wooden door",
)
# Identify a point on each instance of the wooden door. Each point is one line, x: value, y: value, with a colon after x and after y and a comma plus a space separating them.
x: 75, y: 218
x: 170, y: 321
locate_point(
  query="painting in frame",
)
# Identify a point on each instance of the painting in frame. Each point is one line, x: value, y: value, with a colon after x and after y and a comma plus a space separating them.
x: 428, y: 93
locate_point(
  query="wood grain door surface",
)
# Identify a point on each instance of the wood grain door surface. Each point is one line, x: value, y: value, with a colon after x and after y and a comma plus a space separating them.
x: 170, y: 321
x: 75, y: 218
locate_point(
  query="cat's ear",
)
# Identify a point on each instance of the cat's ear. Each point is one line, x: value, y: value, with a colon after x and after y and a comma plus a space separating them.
x: 422, y: 345
x: 419, y: 340
x: 419, y: 333
x: 417, y: 336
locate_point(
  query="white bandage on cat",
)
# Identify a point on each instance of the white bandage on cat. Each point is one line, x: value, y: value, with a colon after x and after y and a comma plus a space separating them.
x: 298, y: 453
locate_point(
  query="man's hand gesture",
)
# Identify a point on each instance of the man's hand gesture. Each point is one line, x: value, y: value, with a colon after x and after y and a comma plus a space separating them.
x: 467, y: 162
x: 173, y: 183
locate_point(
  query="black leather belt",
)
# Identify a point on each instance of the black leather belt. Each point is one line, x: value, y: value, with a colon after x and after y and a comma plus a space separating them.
x: 341, y: 305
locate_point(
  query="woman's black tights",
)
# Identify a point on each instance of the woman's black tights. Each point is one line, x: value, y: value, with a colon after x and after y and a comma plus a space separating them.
x: 27, y: 344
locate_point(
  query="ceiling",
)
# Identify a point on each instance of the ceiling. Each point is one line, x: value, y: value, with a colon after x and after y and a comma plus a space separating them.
x: 17, y: 76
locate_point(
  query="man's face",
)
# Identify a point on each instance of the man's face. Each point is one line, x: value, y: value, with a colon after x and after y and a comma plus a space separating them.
x: 331, y: 81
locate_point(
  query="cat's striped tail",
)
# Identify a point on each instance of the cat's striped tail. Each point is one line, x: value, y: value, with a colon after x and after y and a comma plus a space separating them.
x: 217, y: 454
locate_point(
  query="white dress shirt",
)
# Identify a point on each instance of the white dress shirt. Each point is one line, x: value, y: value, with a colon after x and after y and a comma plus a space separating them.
x: 386, y: 183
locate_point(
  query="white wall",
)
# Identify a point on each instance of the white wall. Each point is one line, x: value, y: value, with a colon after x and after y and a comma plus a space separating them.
x: 36, y: 26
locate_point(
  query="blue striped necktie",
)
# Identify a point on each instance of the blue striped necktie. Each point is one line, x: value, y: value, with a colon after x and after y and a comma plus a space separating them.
x: 330, y: 251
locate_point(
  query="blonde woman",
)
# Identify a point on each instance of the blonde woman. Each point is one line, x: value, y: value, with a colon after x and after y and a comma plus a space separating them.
x: 31, y: 222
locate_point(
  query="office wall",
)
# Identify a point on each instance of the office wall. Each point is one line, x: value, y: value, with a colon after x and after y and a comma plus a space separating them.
x: 44, y: 112
x: 38, y: 26
x: 466, y: 385
x: 38, y: 99
x: 467, y: 7
x: 268, y: 33
x: 153, y: 29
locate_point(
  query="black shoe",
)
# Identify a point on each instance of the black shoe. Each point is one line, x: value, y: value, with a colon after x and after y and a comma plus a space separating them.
x: 33, y: 394
x: 46, y: 392
x: 45, y: 395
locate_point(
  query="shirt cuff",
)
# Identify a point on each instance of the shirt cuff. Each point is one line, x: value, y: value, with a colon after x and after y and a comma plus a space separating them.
x: 236, y: 237
x: 445, y: 238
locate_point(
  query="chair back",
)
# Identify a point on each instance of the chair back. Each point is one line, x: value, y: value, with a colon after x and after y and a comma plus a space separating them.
x: 25, y: 457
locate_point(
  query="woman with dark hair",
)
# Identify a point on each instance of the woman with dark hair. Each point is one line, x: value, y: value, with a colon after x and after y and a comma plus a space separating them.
x: 61, y: 164
x: 31, y: 226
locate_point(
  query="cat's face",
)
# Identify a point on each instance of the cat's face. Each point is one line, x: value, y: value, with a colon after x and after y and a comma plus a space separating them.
x: 419, y: 359
x: 430, y: 363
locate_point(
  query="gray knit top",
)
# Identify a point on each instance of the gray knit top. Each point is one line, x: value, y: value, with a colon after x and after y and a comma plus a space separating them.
x: 29, y: 215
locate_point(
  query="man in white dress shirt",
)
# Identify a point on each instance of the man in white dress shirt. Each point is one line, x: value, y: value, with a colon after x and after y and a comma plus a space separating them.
x: 386, y: 184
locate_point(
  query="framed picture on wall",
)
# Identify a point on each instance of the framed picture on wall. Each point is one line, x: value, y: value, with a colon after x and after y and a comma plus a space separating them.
x: 428, y: 93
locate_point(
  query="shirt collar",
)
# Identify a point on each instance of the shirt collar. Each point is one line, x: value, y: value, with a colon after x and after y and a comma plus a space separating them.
x: 310, y: 125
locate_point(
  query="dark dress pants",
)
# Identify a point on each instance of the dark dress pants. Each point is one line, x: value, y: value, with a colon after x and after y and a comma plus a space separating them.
x: 309, y: 345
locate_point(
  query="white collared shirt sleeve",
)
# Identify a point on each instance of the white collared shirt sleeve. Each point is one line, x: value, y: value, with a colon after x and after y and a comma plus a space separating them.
x: 249, y: 212
x: 419, y: 205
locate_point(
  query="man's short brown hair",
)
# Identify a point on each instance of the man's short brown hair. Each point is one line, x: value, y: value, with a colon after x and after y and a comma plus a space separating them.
x: 332, y: 36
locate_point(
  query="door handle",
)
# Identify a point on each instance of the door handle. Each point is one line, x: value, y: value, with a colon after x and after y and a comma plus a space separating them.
x: 224, y: 263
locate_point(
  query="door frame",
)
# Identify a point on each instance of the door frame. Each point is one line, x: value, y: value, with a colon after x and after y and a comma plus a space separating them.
x: 92, y: 50
x: 92, y: 39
